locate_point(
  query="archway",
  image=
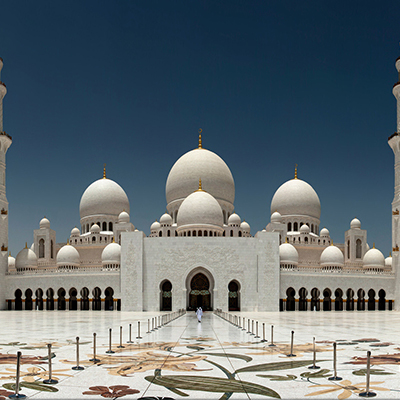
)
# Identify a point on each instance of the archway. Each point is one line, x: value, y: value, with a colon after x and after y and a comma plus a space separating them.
x: 303, y: 299
x: 315, y: 304
x: 199, y: 295
x: 18, y: 299
x: 96, y: 302
x: 85, y: 299
x: 326, y: 304
x: 39, y: 299
x: 290, y: 300
x: 360, y: 300
x: 50, y: 299
x: 350, y: 300
x: 73, y: 301
x: 233, y: 296
x: 28, y: 299
x: 338, y: 300
x: 371, y: 300
x: 382, y: 300
x: 166, y: 296
x: 109, y: 299
x: 61, y: 299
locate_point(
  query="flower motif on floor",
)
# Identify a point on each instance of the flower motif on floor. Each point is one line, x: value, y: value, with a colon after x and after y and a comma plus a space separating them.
x: 32, y: 373
x: 378, y: 359
x: 112, y: 392
x: 283, y: 348
x: 5, y: 393
x: 347, y: 387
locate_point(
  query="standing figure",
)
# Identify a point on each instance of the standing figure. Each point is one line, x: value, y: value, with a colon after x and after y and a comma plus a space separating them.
x: 199, y: 314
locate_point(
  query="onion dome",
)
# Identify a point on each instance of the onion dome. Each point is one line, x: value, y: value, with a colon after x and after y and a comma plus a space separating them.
x: 155, y: 226
x: 388, y: 261
x: 44, y: 223
x: 123, y: 217
x: 200, y: 164
x: 355, y: 224
x: 111, y: 254
x: 68, y: 255
x: 304, y: 229
x: 324, y: 232
x: 332, y: 257
x: 367, y: 246
x: 26, y: 259
x: 234, y: 219
x: 373, y: 258
x: 200, y: 208
x: 245, y: 227
x: 11, y: 262
x: 95, y: 229
x: 288, y: 254
x: 296, y: 197
x: 103, y: 197
x: 276, y: 218
x: 75, y: 232
x: 166, y: 219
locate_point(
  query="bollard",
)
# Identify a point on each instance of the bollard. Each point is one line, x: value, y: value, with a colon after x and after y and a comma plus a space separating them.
x: 130, y: 334
x: 120, y: 339
x: 291, y: 347
x: 314, y: 357
x: 334, y: 377
x: 148, y: 326
x: 256, y: 330
x: 263, y: 339
x: 272, y: 337
x: 138, y: 330
x: 50, y: 380
x: 109, y: 351
x: 94, y: 359
x: 367, y: 393
x: 17, y: 394
x: 77, y: 368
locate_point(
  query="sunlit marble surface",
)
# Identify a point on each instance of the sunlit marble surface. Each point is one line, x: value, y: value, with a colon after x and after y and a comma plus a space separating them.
x: 200, y: 360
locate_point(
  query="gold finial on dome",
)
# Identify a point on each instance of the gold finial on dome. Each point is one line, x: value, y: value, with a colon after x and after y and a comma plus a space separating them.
x: 390, y: 254
x: 9, y: 254
x: 286, y: 241
x: 113, y: 240
x: 26, y: 245
x: 295, y: 171
x: 200, y: 144
x: 104, y: 172
x: 373, y: 245
x: 200, y: 189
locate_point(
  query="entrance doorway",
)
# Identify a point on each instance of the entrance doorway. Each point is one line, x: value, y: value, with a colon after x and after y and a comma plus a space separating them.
x: 199, y: 295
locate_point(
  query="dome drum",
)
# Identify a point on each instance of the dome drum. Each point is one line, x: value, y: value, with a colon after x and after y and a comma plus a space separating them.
x: 294, y: 223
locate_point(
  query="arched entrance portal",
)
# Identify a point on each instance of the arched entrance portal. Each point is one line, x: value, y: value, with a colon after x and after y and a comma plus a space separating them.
x: 199, y: 295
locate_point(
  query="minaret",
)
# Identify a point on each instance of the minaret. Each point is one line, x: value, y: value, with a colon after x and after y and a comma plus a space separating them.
x: 394, y: 143
x: 5, y: 143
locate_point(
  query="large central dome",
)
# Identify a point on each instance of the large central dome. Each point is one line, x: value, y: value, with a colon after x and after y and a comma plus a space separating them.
x: 200, y: 164
x: 103, y: 197
x: 296, y: 197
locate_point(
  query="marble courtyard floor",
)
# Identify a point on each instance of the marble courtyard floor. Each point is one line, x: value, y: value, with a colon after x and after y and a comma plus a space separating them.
x: 211, y: 360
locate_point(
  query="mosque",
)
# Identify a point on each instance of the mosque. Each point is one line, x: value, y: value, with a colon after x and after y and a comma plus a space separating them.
x: 200, y: 252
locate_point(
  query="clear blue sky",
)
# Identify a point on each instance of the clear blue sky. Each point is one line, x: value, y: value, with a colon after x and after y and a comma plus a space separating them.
x: 129, y: 83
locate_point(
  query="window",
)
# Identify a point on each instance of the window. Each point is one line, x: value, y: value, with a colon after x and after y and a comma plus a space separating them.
x: 289, y: 227
x: 41, y: 248
x: 348, y: 249
x: 358, y: 248
x: 52, y: 249
x: 295, y: 227
x: 110, y: 226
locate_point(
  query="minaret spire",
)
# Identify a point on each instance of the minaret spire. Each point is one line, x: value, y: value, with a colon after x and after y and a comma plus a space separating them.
x: 104, y: 172
x: 295, y: 171
x: 3, y: 92
x: 200, y: 144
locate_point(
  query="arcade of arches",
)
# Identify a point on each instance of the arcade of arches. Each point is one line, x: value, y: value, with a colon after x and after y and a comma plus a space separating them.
x: 338, y: 300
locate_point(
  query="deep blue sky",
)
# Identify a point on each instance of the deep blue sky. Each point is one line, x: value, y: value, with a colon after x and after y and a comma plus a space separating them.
x: 129, y: 83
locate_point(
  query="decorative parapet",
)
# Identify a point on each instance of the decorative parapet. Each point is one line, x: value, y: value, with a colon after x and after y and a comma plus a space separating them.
x: 353, y: 271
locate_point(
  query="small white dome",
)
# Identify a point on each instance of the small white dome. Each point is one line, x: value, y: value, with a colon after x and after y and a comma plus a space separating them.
x: 26, y: 259
x: 166, y: 219
x: 388, y: 261
x: 304, y: 229
x: 11, y: 262
x: 234, y: 219
x: 373, y: 258
x: 355, y: 224
x: 123, y: 217
x: 245, y: 227
x: 288, y: 254
x: 75, y: 232
x: 276, y: 217
x: 200, y: 208
x: 68, y: 255
x: 332, y: 256
x: 32, y: 247
x: 155, y: 226
x: 296, y: 197
x: 367, y: 246
x: 95, y: 228
x: 324, y: 232
x: 103, y: 197
x: 44, y: 223
x: 111, y: 254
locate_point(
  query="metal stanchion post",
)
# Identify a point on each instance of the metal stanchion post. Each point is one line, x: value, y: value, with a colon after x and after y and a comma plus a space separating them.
x: 94, y: 359
x: 244, y: 324
x: 120, y: 339
x: 272, y: 337
x: 148, y: 326
x: 256, y: 330
x: 109, y: 351
x: 17, y: 394
x: 367, y: 393
x: 334, y: 377
x: 314, y: 357
x: 248, y: 326
x: 263, y: 339
x: 50, y: 380
x: 291, y: 347
x: 130, y: 334
x: 138, y: 329
x: 77, y: 367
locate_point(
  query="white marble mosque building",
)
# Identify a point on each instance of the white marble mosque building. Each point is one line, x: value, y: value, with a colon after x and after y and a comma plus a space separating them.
x: 200, y: 252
